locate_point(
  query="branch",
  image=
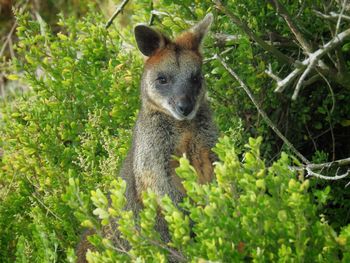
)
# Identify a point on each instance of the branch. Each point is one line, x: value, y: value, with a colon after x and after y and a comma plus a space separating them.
x: 222, y: 38
x: 313, y: 59
x: 8, y: 39
x: 282, y: 11
x: 318, y: 166
x: 300, y: 82
x: 262, y: 112
x: 324, y: 177
x: 331, y: 15
x: 176, y: 254
x: 309, y: 168
x: 271, y: 74
x: 116, y: 13
x: 340, y: 17
x: 243, y: 26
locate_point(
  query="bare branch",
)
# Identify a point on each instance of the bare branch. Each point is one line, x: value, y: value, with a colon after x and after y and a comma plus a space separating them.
x: 262, y: 112
x: 282, y: 11
x: 116, y: 13
x: 222, y: 53
x: 331, y: 15
x: 302, y: 78
x: 243, y: 26
x: 319, y: 166
x: 271, y: 74
x: 340, y: 17
x: 8, y: 39
x: 313, y: 59
x: 176, y: 254
x: 282, y: 84
x: 312, y: 80
x: 45, y: 207
x: 221, y: 37
x: 310, y: 169
x: 324, y: 177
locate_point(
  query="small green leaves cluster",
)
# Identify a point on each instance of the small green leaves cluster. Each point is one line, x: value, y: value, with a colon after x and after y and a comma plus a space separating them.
x: 249, y: 213
x: 72, y: 127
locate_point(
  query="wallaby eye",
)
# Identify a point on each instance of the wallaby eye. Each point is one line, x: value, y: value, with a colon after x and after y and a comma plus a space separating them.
x: 162, y: 80
x: 196, y: 78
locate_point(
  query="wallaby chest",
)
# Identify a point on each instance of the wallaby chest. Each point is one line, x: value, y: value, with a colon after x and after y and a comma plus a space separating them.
x: 193, y: 146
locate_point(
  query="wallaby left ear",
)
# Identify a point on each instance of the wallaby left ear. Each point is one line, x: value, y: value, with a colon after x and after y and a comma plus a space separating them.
x: 202, y: 27
x: 148, y: 39
x: 193, y: 38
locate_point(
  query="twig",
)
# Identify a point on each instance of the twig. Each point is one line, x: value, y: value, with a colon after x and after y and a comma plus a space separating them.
x: 321, y: 176
x: 318, y: 166
x: 243, y: 26
x: 282, y: 11
x: 330, y: 90
x: 313, y: 59
x: 151, y: 19
x: 116, y: 13
x: 222, y: 53
x: 8, y: 38
x: 309, y: 168
x: 340, y: 17
x: 271, y: 74
x: 222, y: 38
x: 312, y: 80
x: 302, y: 77
x: 261, y: 111
x: 310, y: 135
x: 47, y: 208
x: 331, y: 15
x: 173, y: 252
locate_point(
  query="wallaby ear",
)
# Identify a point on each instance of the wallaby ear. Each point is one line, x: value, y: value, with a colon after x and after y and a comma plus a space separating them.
x: 193, y: 38
x: 202, y: 27
x: 148, y: 40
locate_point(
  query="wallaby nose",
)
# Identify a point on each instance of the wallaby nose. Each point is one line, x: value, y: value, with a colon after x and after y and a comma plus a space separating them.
x: 184, y: 107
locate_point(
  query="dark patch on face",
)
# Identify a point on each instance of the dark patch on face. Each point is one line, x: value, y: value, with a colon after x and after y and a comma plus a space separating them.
x: 177, y: 50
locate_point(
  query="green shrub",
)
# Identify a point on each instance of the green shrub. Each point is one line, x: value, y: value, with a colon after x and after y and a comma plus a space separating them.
x: 251, y: 212
x: 75, y: 121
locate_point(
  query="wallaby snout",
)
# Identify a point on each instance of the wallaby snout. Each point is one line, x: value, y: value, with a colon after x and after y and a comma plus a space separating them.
x: 184, y: 106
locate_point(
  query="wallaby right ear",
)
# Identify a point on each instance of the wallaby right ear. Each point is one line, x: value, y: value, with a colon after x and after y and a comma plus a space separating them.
x: 148, y: 40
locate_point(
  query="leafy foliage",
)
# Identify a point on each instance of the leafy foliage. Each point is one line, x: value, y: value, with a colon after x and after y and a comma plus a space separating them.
x: 252, y: 212
x: 74, y: 122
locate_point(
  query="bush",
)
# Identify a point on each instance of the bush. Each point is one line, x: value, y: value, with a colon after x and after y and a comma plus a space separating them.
x: 75, y: 121
x: 251, y: 212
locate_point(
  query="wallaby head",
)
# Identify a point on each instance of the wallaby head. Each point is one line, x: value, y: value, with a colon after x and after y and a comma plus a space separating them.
x: 172, y: 81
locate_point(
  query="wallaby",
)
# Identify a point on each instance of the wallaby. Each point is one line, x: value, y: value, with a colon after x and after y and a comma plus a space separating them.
x: 174, y: 118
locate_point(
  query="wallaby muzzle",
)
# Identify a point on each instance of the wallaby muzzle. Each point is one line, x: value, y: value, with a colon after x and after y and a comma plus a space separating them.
x: 184, y: 106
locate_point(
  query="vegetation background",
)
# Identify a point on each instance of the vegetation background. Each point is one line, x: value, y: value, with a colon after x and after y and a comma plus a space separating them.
x: 69, y: 97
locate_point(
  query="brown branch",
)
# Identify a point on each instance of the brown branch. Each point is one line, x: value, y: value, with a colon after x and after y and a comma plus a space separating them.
x: 116, y: 13
x: 176, y: 254
x: 8, y: 39
x: 243, y: 26
x: 282, y: 11
x: 262, y: 112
